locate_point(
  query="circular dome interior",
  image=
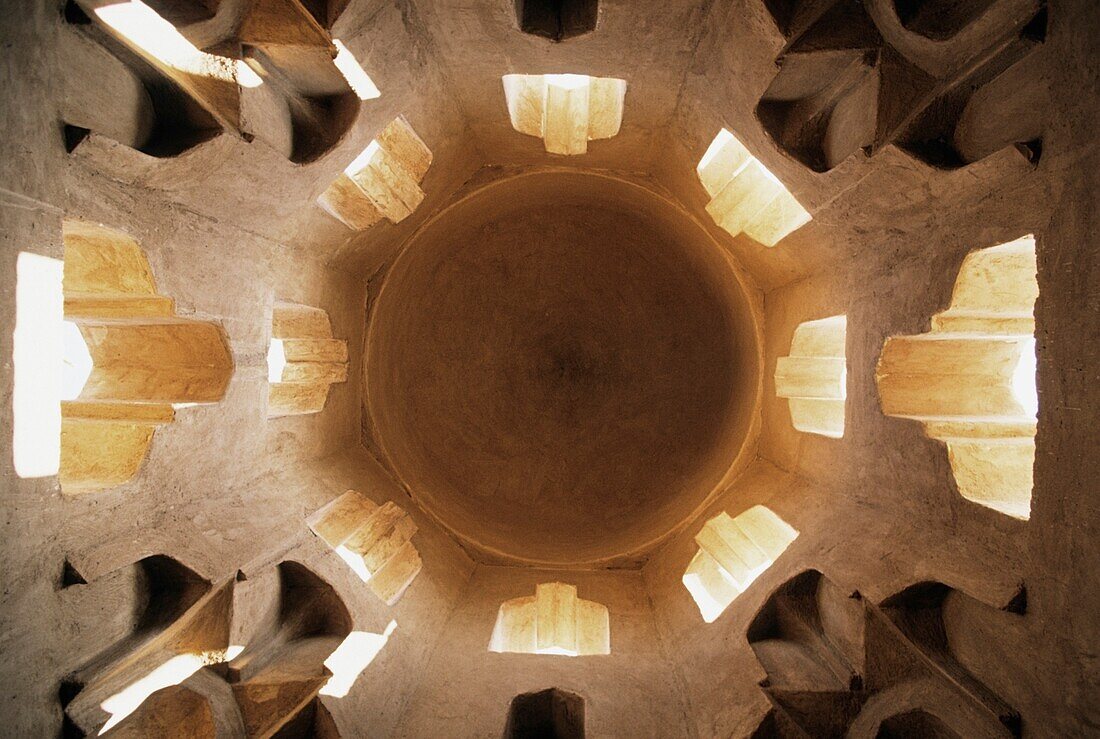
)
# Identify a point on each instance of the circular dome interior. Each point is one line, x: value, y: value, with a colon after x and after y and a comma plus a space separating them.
x: 562, y: 367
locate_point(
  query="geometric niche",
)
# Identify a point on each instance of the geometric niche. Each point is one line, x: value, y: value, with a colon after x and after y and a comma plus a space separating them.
x: 733, y: 552
x: 557, y: 19
x: 276, y: 76
x: 180, y: 623
x: 553, y: 621
x: 382, y: 182
x: 375, y: 541
x: 837, y: 665
x: 744, y: 196
x: 813, y: 377
x: 565, y: 110
x: 303, y: 360
x: 946, y: 97
x: 282, y: 668
x: 182, y: 672
x: 125, y: 360
x: 546, y: 713
x: 971, y: 379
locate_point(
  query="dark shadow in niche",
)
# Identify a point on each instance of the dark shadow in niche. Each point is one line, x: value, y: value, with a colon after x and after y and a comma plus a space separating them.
x: 176, y: 122
x: 72, y: 13
x: 841, y: 87
x: 932, y: 616
x: 557, y: 20
x: 283, y: 666
x: 915, y: 725
x: 325, y: 12
x: 312, y: 722
x: 174, y: 611
x: 939, y: 19
x: 805, y: 636
x: 546, y: 714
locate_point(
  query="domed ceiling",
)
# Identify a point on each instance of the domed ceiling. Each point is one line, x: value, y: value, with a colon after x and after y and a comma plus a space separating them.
x: 562, y: 367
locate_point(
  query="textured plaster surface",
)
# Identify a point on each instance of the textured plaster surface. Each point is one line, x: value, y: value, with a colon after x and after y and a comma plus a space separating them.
x: 235, y: 227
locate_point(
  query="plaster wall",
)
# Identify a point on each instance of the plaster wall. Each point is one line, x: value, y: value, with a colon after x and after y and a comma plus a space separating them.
x: 631, y: 692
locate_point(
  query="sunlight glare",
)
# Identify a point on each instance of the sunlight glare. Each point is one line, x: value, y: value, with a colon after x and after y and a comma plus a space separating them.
x: 357, y: 78
x: 37, y: 355
x: 353, y: 656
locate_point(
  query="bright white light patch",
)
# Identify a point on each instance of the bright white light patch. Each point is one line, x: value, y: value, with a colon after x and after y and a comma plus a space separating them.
x: 355, y: 562
x: 173, y: 672
x: 353, y: 656
x: 154, y: 36
x: 560, y: 651
x: 77, y: 363
x: 568, y: 81
x: 246, y: 75
x: 709, y: 606
x: 37, y: 355
x: 353, y: 72
x: 276, y: 361
x: 1023, y: 379
x: 716, y: 146
x: 360, y: 162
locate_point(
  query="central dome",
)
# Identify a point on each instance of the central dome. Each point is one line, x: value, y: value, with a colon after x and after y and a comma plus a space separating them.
x: 561, y: 368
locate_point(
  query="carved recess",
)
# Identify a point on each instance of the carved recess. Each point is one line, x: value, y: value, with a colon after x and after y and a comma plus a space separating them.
x: 949, y: 83
x: 165, y: 76
x: 839, y: 666
x: 244, y: 657
x: 139, y: 359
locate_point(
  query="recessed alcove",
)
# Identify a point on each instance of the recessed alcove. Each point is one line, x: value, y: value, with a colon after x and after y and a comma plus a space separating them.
x: 814, y: 376
x: 547, y: 713
x: 971, y: 380
x: 744, y: 196
x: 105, y: 354
x: 374, y: 540
x: 557, y: 20
x: 180, y: 623
x: 303, y: 360
x: 847, y: 81
x: 269, y: 72
x: 565, y: 110
x: 552, y: 621
x: 733, y: 552
x: 939, y: 19
x: 382, y: 182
